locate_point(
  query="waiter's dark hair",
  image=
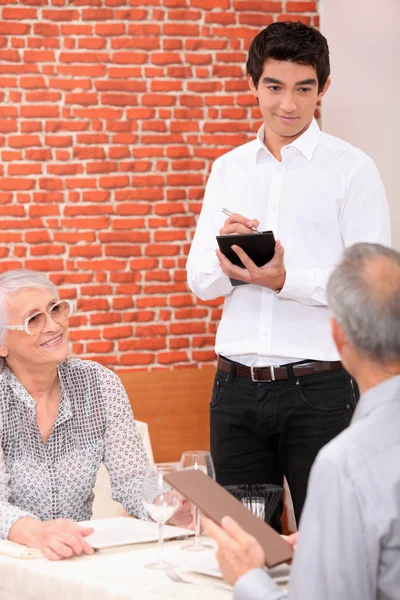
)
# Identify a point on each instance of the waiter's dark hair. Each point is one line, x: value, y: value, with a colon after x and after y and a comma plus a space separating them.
x: 291, y: 41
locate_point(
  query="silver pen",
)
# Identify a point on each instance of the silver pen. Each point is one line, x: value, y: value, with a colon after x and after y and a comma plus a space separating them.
x: 227, y: 212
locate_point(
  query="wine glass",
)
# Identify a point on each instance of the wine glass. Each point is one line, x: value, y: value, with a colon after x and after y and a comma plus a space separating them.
x: 161, y: 501
x: 197, y: 459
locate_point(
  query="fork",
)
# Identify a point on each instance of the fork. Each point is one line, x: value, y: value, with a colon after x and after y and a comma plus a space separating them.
x: 176, y: 577
x: 179, y: 579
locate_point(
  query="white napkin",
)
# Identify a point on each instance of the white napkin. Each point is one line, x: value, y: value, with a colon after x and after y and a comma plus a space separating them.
x: 14, y: 550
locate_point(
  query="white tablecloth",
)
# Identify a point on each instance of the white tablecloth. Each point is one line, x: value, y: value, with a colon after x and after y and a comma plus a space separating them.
x: 114, y: 574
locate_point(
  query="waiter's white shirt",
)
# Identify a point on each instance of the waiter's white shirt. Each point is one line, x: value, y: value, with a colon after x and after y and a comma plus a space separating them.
x: 323, y: 196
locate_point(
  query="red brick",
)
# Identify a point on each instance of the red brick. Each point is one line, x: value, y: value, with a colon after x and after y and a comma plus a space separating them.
x: 117, y: 332
x: 5, y: 198
x: 167, y: 358
x: 143, y: 344
x: 46, y: 250
x: 83, y: 57
x: 181, y: 29
x: 7, y: 126
x: 60, y: 15
x: 19, y: 13
x: 187, y: 328
x: 204, y: 355
x: 105, y: 318
x: 301, y: 6
x: 46, y: 264
x: 110, y: 29
x: 14, y: 28
x: 102, y: 347
x: 84, y: 334
x: 257, y: 5
x: 24, y: 169
x: 16, y: 184
x: 85, y: 251
x: 293, y: 17
x: 143, y: 358
x: 40, y: 112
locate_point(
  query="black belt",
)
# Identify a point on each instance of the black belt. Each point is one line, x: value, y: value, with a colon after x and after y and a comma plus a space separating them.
x: 279, y: 373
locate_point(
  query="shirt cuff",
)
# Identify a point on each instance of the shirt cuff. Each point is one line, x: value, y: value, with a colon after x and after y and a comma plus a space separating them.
x: 11, y: 516
x: 207, y: 280
x: 299, y: 284
x: 257, y: 585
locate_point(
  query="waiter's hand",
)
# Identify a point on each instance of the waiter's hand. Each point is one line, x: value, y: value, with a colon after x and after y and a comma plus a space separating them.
x: 238, y: 224
x: 272, y: 275
x: 238, y: 552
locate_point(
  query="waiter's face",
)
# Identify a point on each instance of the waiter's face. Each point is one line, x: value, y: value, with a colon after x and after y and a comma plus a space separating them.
x: 287, y: 94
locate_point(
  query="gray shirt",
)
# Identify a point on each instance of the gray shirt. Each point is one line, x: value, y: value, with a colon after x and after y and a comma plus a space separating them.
x: 94, y: 424
x: 349, y: 544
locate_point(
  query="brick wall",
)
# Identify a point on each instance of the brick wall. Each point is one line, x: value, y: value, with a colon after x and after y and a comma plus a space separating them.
x: 111, y: 113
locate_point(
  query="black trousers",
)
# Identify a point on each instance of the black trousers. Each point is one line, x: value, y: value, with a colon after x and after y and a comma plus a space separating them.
x: 261, y: 432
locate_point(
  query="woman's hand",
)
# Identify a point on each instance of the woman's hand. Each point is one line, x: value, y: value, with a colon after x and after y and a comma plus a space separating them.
x: 185, y: 516
x: 292, y: 539
x: 61, y: 538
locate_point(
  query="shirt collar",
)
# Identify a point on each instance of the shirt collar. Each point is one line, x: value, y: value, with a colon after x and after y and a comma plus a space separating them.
x: 305, y: 143
x: 374, y: 398
x: 65, y: 409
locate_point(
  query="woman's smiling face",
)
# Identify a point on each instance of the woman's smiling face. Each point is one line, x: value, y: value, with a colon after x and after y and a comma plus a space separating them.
x: 49, y: 344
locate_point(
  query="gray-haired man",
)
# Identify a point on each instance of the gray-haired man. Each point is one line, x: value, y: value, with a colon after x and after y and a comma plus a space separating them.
x: 349, y: 542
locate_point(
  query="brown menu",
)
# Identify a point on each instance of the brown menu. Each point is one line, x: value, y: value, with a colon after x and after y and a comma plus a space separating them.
x: 216, y: 502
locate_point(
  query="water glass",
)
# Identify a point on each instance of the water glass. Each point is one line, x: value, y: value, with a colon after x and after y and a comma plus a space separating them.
x: 161, y: 501
x: 197, y: 459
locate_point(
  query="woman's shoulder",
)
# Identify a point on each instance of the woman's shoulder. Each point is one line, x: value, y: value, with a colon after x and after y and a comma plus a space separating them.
x: 86, y: 369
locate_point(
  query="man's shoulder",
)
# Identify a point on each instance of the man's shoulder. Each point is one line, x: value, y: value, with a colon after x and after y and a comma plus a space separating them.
x: 354, y: 156
x: 365, y: 442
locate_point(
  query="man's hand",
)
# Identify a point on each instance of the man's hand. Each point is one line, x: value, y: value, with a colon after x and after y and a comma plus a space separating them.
x: 238, y: 552
x: 238, y: 224
x: 61, y: 538
x: 272, y: 275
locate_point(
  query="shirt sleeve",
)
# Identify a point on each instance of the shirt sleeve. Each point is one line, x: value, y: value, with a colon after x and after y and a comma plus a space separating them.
x: 205, y: 276
x: 257, y: 585
x: 9, y: 513
x: 364, y: 217
x: 331, y: 559
x: 124, y: 454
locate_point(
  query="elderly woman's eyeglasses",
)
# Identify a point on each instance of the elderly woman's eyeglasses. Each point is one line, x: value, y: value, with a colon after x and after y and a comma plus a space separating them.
x: 58, y: 312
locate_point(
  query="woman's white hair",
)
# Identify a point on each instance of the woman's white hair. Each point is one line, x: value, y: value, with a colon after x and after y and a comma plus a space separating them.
x: 13, y: 282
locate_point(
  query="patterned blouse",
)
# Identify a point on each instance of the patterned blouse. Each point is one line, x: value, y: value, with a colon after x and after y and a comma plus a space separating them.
x: 94, y: 424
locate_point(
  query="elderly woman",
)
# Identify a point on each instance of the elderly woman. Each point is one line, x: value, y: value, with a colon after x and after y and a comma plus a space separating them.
x: 60, y: 418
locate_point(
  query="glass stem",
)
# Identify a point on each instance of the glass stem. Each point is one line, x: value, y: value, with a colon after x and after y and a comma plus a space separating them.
x: 197, y: 536
x: 160, y: 540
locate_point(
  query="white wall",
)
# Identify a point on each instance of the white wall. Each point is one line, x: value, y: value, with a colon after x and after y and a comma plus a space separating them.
x: 362, y: 105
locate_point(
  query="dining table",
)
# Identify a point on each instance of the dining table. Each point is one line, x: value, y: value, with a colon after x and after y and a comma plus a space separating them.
x: 112, y: 573
x: 117, y: 573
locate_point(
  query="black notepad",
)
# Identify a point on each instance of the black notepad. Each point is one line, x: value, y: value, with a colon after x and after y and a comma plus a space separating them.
x: 260, y: 247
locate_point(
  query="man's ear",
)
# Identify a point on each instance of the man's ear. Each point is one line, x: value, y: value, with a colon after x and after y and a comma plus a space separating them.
x: 325, y: 88
x: 3, y: 352
x: 337, y: 335
x: 252, y: 87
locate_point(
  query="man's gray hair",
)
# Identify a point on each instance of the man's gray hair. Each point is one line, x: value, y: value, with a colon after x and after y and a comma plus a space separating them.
x: 364, y: 298
x: 13, y: 282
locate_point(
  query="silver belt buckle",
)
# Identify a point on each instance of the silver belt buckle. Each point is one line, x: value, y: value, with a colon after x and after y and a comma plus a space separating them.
x: 253, y: 378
